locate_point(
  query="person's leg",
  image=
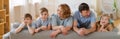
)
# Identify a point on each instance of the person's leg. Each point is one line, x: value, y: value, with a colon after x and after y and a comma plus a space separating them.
x: 6, y: 36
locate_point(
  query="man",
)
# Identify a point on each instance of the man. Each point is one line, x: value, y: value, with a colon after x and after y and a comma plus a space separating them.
x: 84, y: 20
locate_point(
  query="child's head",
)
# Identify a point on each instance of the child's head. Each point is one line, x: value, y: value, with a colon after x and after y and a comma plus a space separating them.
x: 27, y: 18
x: 104, y: 19
x: 44, y: 13
x: 64, y: 11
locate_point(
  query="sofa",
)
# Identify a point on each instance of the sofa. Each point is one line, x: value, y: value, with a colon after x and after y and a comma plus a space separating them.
x: 46, y: 35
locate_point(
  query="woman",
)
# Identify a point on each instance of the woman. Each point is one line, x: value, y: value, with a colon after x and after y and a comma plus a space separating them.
x: 62, y: 21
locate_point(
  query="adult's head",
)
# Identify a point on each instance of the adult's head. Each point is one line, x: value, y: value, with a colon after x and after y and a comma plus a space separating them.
x: 84, y: 9
x: 63, y: 11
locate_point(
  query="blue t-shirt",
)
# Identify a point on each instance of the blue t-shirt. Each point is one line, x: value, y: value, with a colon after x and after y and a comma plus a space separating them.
x: 56, y: 21
x: 40, y: 22
x: 33, y: 25
x: 83, y: 21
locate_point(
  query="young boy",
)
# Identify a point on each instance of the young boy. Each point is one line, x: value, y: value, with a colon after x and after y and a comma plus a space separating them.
x: 26, y: 24
x: 43, y: 21
x: 104, y: 24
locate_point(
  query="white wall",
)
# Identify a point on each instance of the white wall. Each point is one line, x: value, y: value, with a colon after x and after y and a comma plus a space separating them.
x: 118, y: 5
x: 15, y: 15
x: 33, y: 6
x: 75, y: 3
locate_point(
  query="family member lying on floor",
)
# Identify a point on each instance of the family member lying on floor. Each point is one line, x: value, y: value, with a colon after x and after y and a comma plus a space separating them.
x: 26, y: 24
x: 104, y: 24
x: 43, y: 21
x: 62, y: 21
x: 84, y: 20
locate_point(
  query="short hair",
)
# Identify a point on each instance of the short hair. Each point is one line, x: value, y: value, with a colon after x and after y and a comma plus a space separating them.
x: 28, y: 15
x: 83, y: 6
x: 66, y: 10
x: 43, y: 10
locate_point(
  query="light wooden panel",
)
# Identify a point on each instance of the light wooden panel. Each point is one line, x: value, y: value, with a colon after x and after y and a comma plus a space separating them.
x: 2, y: 14
x: 1, y: 4
x: 1, y: 28
x: 6, y: 6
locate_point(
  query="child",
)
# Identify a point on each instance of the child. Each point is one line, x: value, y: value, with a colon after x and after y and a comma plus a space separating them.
x: 43, y: 22
x: 104, y: 25
x: 26, y: 24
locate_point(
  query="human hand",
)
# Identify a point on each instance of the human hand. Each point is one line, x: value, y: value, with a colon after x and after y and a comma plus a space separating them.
x: 83, y: 32
x: 53, y: 34
x: 22, y: 24
x: 64, y: 31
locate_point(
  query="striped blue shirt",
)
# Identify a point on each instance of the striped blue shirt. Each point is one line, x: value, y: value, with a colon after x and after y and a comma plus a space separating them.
x: 56, y: 21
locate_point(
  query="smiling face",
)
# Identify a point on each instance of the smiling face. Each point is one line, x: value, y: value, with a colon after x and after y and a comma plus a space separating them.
x: 60, y: 12
x: 63, y: 11
x: 104, y: 20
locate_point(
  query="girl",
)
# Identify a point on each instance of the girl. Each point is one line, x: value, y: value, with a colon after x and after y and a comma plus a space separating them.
x: 104, y: 25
